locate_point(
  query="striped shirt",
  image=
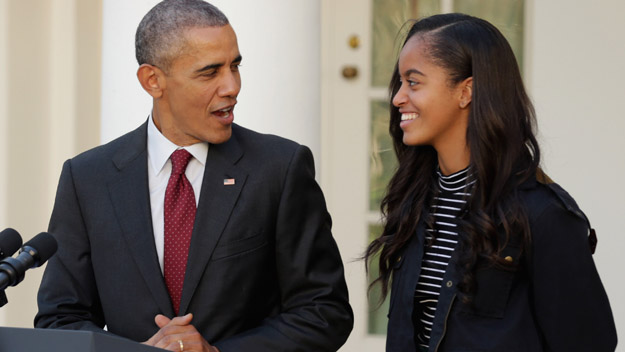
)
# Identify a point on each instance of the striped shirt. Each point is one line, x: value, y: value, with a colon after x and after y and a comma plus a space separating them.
x: 446, y: 207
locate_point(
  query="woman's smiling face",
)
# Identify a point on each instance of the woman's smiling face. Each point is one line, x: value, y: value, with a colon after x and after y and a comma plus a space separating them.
x: 432, y: 107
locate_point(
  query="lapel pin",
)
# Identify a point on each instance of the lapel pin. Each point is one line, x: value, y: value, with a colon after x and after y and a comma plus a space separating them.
x: 228, y: 181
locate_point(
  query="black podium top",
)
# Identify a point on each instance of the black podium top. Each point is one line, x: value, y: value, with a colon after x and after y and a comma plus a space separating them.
x: 56, y: 340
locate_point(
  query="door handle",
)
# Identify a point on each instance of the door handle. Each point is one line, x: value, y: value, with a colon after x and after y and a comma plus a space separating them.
x: 350, y: 72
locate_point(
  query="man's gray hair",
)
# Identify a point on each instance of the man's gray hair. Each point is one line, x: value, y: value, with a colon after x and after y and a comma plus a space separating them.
x: 160, y: 35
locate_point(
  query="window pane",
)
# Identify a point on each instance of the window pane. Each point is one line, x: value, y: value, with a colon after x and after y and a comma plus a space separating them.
x: 383, y: 161
x: 388, y: 18
x: 506, y: 15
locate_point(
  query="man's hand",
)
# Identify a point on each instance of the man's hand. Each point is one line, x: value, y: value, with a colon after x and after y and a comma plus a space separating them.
x: 178, y: 334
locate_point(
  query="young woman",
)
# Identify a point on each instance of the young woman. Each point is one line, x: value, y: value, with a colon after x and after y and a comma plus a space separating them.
x: 480, y: 251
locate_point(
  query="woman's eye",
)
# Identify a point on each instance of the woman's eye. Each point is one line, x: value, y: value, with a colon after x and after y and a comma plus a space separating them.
x: 412, y: 83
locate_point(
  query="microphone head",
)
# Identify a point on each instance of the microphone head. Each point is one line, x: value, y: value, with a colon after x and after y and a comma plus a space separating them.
x: 42, y: 247
x: 10, y: 241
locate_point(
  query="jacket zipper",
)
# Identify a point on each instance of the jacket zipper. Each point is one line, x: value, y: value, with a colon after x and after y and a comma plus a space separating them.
x: 445, y: 325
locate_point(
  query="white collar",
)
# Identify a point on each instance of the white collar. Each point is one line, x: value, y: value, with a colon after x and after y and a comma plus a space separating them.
x: 160, y: 148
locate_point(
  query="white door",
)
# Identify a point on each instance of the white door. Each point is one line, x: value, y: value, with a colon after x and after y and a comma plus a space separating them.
x: 360, y: 43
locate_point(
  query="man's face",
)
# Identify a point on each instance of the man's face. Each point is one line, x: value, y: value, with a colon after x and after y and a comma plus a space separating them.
x: 200, y: 88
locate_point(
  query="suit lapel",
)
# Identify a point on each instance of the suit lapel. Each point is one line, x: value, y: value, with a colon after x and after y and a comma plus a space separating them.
x: 217, y: 200
x: 131, y: 201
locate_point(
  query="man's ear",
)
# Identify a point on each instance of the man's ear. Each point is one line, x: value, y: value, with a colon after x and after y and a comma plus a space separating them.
x: 466, y: 93
x: 152, y: 79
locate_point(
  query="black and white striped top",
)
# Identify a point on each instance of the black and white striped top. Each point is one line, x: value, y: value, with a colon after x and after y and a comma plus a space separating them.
x: 446, y: 208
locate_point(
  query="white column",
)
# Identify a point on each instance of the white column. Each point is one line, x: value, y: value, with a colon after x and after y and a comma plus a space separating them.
x: 279, y: 42
x: 575, y: 65
x: 61, y: 89
x: 37, y: 104
x: 125, y: 105
x: 4, y: 145
x: 3, y: 108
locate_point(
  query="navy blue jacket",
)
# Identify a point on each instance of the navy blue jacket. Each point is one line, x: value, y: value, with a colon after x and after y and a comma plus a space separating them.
x: 552, y: 300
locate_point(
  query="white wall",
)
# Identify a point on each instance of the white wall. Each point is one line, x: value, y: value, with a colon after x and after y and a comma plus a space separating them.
x: 279, y: 42
x: 576, y: 77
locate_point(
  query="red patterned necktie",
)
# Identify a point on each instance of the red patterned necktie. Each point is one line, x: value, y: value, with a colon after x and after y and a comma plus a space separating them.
x: 179, y: 217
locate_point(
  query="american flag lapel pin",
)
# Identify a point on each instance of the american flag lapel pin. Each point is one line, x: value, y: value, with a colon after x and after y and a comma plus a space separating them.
x: 228, y: 181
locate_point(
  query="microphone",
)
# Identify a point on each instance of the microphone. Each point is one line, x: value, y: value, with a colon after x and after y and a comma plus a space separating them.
x: 10, y: 241
x: 33, y: 254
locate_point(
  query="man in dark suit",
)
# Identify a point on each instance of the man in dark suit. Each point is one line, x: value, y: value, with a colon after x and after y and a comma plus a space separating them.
x: 258, y: 269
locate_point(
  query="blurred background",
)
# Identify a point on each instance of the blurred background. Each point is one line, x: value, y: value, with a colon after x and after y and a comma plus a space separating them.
x: 314, y: 71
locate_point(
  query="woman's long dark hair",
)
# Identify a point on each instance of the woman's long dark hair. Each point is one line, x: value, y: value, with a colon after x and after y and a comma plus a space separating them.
x: 500, y: 135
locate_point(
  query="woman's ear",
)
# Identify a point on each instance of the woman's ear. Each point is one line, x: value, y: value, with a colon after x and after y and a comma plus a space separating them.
x: 466, y: 93
x: 152, y: 79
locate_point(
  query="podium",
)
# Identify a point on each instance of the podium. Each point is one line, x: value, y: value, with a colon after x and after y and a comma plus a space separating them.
x: 56, y: 340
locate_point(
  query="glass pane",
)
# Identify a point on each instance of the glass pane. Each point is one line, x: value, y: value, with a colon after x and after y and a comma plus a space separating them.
x: 377, y: 311
x: 506, y: 15
x: 383, y: 161
x: 388, y: 18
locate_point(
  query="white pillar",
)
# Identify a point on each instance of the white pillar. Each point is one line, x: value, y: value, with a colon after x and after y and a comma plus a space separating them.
x: 38, y: 108
x: 280, y: 73
x: 4, y: 145
x: 61, y: 89
x: 3, y: 111
x: 575, y: 66
x: 280, y: 44
x: 125, y: 105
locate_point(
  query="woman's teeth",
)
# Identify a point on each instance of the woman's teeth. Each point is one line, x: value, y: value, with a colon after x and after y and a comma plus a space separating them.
x: 410, y: 116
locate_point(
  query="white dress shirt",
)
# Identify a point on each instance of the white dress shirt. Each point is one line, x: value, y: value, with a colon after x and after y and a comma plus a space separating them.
x: 159, y: 169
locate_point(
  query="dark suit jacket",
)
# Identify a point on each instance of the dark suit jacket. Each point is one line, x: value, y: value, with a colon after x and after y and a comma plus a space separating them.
x: 263, y: 274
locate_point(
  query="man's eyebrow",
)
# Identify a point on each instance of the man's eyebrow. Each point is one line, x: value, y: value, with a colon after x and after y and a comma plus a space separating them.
x: 413, y: 70
x: 209, y: 67
x: 237, y: 60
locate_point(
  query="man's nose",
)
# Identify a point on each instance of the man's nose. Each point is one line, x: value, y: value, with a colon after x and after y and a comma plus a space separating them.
x: 230, y: 85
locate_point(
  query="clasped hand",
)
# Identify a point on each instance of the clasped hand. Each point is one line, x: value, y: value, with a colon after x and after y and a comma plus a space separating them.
x: 178, y: 334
